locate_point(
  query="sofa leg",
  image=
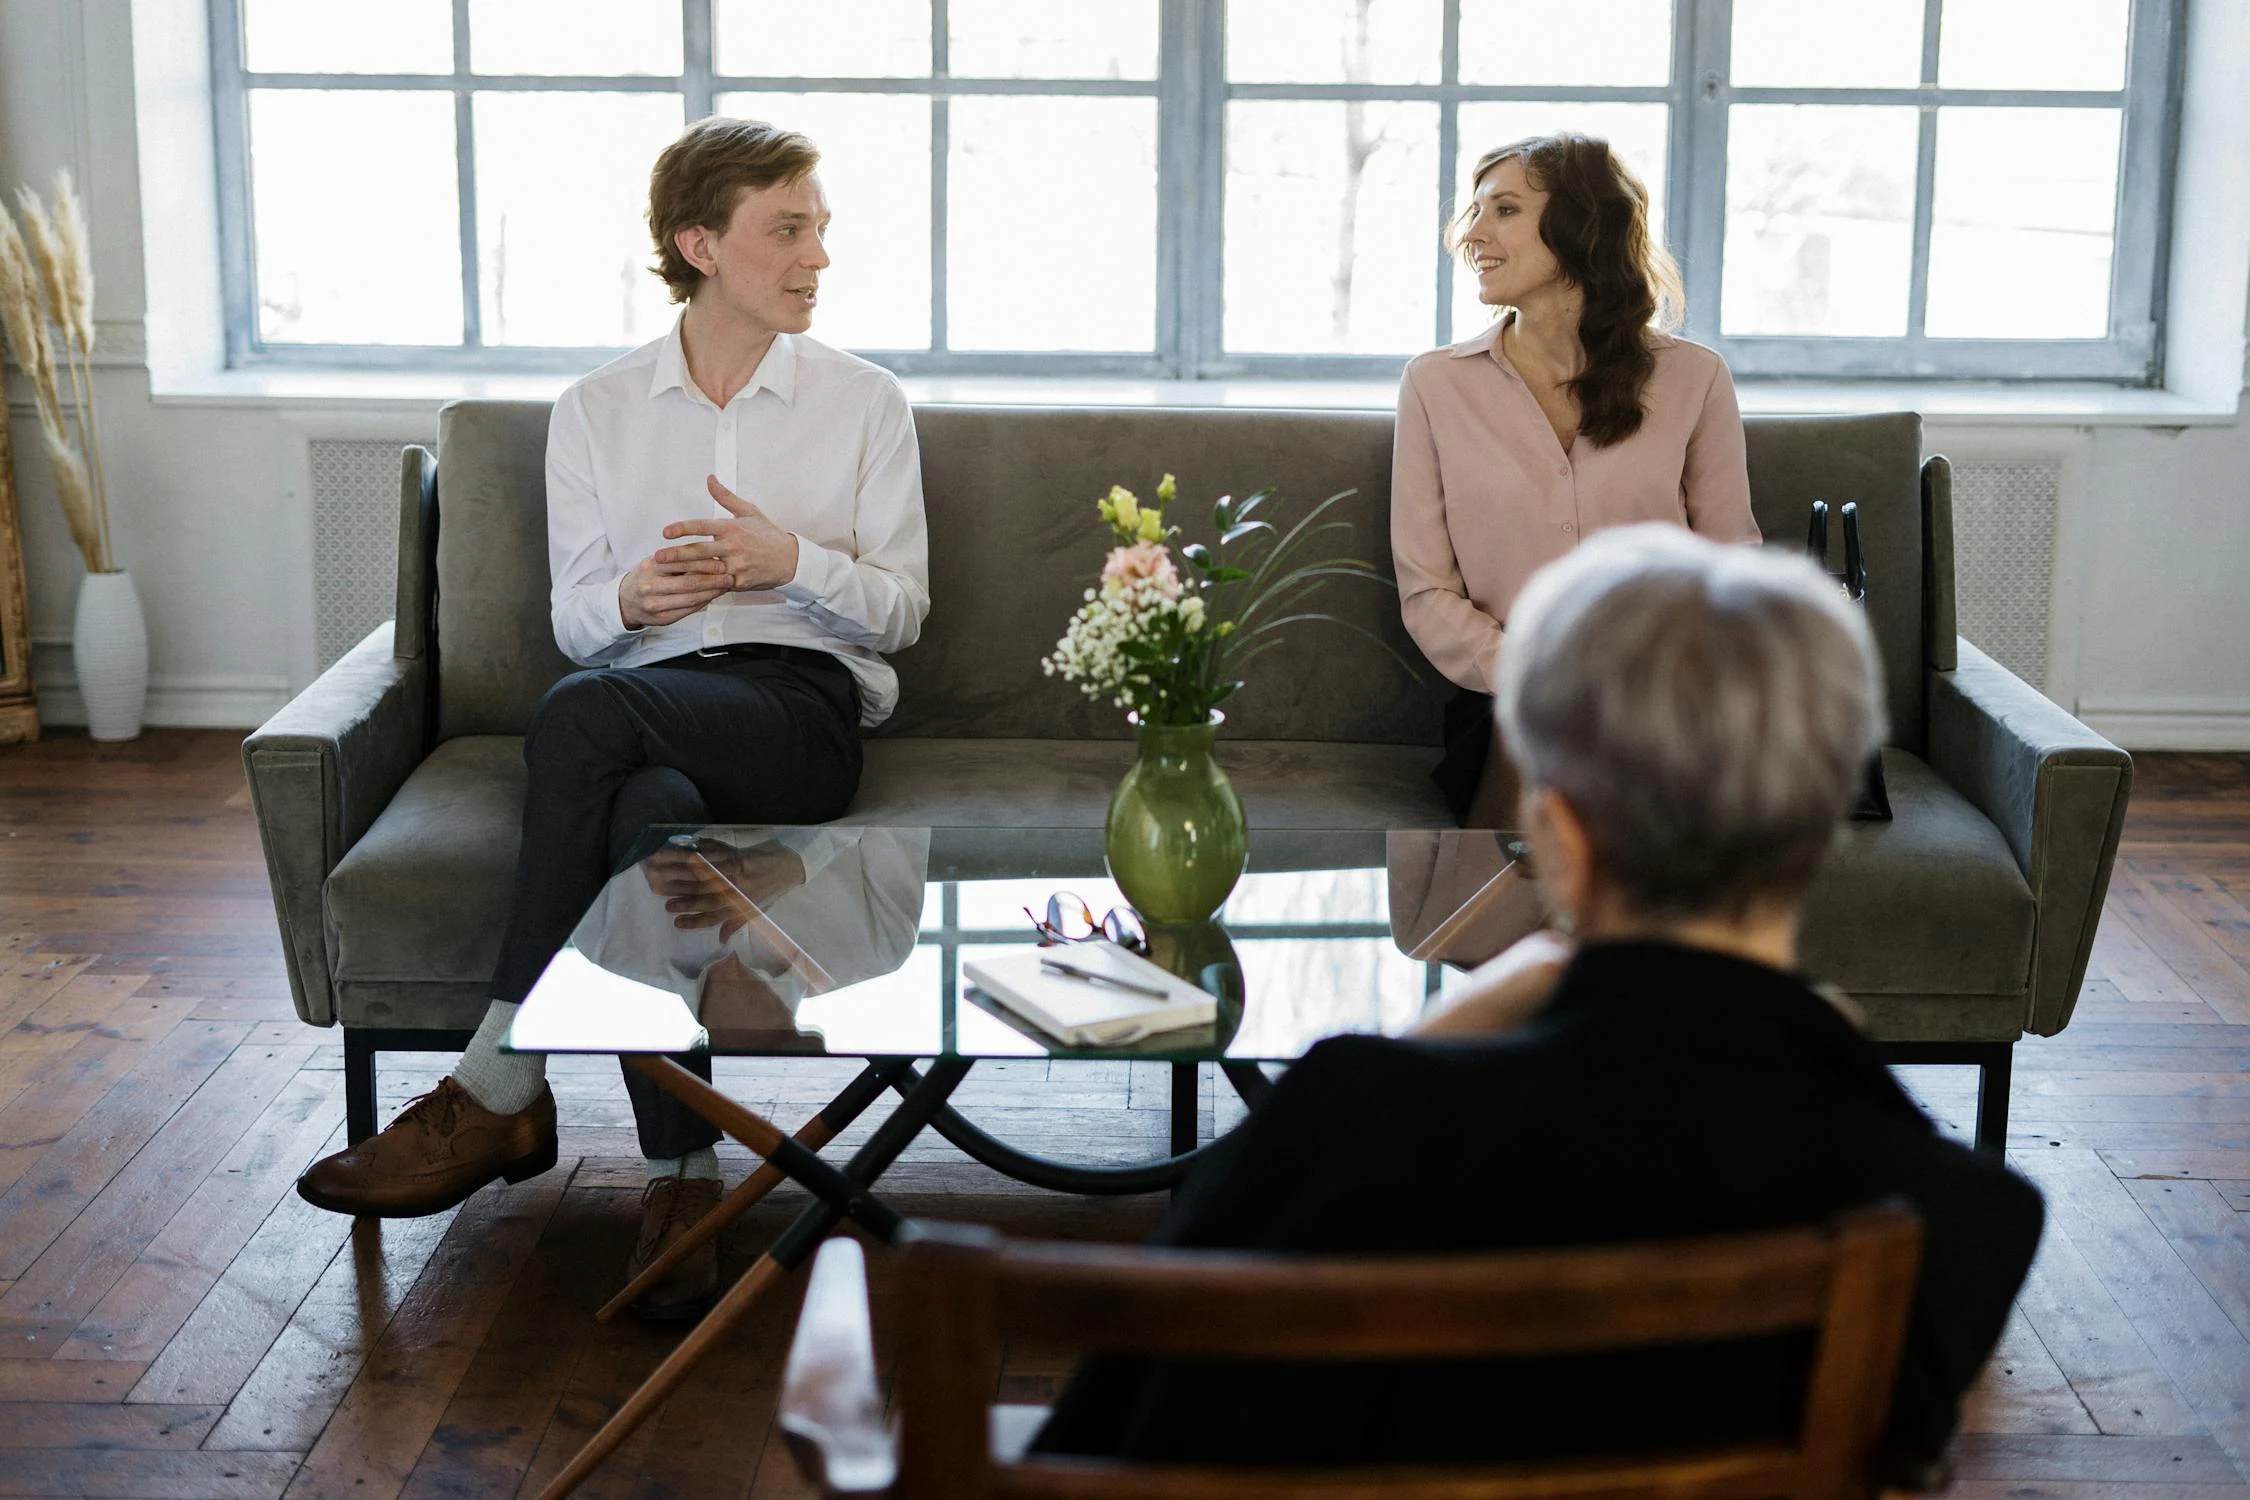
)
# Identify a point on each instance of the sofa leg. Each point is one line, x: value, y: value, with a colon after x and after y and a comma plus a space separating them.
x: 1994, y: 1062
x: 1995, y: 1071
x: 359, y: 1085
x: 361, y: 1044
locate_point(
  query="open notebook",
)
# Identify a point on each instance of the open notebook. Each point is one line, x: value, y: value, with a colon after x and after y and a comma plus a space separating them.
x: 1089, y: 1013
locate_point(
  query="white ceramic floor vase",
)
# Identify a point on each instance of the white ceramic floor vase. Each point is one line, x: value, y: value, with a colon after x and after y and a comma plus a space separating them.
x: 109, y: 648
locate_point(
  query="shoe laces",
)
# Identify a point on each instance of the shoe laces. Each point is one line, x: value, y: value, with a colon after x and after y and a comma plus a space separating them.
x: 677, y: 1211
x: 443, y: 1102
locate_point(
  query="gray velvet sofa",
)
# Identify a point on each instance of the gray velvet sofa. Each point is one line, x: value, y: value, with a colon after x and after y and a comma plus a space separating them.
x: 388, y: 793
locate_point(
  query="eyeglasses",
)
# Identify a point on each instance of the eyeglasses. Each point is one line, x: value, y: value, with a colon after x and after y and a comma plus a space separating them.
x: 1070, y: 920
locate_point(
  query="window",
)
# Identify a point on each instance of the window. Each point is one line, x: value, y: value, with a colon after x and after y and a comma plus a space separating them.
x: 1201, y: 188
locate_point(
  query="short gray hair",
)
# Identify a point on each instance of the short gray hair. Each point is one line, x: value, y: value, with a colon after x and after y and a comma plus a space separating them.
x: 1706, y: 710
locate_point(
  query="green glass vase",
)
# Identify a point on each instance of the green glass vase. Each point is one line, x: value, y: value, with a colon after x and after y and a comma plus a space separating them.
x: 1176, y: 838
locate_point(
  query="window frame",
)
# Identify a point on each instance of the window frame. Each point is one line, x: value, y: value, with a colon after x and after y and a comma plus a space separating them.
x: 1192, y: 93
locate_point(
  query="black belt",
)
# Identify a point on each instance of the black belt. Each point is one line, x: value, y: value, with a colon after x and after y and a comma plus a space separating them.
x: 803, y: 656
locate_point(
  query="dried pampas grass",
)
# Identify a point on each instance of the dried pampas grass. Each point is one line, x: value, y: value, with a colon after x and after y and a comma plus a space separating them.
x: 21, y: 315
x: 47, y: 276
x: 76, y: 491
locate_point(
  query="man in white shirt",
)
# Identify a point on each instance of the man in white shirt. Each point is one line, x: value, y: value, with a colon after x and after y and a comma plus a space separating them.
x: 735, y: 539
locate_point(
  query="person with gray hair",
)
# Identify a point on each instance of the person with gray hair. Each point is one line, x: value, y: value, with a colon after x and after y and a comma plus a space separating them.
x: 1689, y: 720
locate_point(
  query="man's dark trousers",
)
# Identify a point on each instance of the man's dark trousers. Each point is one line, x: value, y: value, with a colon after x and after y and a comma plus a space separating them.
x: 757, y: 734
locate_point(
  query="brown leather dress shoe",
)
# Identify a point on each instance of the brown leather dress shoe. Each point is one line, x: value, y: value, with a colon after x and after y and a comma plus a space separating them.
x: 670, y: 1206
x: 442, y: 1147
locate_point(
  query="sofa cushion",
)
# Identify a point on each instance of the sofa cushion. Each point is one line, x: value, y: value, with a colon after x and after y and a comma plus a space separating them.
x: 1931, y: 903
x: 424, y: 895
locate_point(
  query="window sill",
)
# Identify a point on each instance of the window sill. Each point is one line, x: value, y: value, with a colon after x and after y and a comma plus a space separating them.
x: 2033, y: 405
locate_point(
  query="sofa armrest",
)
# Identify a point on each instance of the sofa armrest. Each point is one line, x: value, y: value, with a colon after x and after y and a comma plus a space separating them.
x: 2055, y: 789
x: 320, y: 771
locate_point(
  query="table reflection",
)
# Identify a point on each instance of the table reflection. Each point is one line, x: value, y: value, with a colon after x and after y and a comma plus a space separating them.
x: 850, y: 941
x: 746, y: 924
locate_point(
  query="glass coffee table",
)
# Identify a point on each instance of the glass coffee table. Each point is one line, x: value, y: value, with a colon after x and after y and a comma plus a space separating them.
x: 849, y: 942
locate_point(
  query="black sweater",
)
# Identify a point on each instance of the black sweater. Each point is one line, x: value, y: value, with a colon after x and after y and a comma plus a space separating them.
x: 1664, y: 1092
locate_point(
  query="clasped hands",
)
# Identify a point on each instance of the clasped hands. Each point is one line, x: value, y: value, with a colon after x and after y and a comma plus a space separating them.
x: 711, y: 883
x: 743, y: 550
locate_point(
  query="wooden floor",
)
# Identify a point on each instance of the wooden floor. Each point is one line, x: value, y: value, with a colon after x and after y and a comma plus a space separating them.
x: 175, y: 1322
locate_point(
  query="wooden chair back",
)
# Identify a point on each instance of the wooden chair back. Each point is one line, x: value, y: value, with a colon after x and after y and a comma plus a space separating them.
x: 968, y: 1291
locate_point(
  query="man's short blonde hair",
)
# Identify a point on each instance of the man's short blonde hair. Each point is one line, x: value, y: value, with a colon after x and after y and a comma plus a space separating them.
x: 1706, y: 710
x: 700, y: 177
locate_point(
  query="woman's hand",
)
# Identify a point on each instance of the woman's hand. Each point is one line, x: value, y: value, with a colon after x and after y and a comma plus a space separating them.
x: 1504, y: 992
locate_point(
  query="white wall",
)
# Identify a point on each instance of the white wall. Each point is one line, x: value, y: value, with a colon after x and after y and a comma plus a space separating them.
x: 2152, y: 609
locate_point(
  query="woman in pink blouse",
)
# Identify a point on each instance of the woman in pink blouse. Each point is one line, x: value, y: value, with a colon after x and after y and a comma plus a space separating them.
x: 1571, y: 413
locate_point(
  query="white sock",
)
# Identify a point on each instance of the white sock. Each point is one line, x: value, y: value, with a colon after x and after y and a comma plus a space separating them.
x: 703, y: 1164
x: 504, y: 1082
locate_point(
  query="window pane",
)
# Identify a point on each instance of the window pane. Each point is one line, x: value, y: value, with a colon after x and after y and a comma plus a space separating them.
x: 1051, y: 224
x: 1334, y: 41
x: 357, y: 218
x: 404, y: 36
x: 1331, y: 227
x: 875, y: 169
x: 1636, y: 132
x: 1820, y: 220
x: 1872, y: 44
x: 1609, y: 42
x: 563, y: 251
x: 603, y: 38
x: 2032, y: 44
x: 1040, y: 39
x: 2022, y: 223
x: 854, y: 39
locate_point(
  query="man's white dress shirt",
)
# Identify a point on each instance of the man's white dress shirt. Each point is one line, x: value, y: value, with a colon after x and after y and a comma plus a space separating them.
x: 821, y: 441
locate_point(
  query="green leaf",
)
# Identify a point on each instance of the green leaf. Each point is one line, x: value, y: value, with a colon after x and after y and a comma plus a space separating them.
x: 1222, y: 513
x: 1241, y: 529
x: 1227, y: 574
x: 1197, y: 553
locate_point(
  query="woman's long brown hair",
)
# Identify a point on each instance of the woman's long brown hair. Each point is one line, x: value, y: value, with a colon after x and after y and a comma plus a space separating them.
x: 1596, y: 224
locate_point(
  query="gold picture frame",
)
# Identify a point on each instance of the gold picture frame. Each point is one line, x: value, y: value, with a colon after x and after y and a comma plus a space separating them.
x: 19, y: 708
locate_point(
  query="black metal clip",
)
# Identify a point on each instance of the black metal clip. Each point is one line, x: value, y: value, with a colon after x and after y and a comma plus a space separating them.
x: 1854, y: 576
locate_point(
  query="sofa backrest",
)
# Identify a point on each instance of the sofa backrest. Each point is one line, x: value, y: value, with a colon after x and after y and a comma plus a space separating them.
x: 1014, y: 543
x: 1876, y: 462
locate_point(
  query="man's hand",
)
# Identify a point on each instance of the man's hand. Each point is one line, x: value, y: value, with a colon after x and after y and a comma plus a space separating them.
x: 714, y: 884
x: 653, y: 592
x: 752, y: 552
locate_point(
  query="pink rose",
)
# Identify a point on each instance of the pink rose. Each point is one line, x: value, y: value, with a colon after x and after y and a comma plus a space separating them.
x: 1150, y: 561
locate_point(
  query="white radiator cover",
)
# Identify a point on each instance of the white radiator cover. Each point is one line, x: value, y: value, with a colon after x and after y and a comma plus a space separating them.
x: 355, y: 540
x: 2004, y: 560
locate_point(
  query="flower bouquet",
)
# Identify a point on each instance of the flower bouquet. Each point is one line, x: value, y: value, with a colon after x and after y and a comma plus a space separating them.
x: 1168, y: 634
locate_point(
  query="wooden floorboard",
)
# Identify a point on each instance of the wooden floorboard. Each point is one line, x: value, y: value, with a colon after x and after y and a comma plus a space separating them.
x: 174, y: 1321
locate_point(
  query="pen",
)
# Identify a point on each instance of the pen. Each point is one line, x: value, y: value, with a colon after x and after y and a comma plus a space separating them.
x: 1091, y: 976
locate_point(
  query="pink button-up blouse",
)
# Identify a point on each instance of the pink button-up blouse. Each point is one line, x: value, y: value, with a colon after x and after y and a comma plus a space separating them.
x: 1482, y: 494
